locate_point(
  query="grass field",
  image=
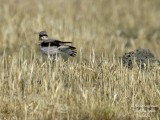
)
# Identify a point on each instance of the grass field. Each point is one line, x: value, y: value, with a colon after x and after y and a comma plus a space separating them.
x: 91, y: 86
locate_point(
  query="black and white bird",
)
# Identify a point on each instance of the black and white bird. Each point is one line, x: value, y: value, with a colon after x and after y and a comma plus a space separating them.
x: 55, y: 48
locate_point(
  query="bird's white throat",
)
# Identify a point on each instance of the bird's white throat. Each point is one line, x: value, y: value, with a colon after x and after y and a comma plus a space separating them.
x: 44, y: 38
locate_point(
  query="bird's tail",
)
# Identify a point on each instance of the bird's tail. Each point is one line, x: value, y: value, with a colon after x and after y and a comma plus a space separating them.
x: 73, y: 51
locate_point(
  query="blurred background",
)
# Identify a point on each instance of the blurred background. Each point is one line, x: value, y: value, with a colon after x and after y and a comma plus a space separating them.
x: 92, y: 86
x: 106, y: 26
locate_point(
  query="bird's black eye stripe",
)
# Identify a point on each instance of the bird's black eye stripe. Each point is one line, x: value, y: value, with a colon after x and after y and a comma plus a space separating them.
x: 43, y: 35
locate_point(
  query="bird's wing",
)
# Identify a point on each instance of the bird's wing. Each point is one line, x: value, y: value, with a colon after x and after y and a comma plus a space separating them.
x: 53, y: 42
x: 70, y: 50
x: 57, y: 41
x: 50, y: 43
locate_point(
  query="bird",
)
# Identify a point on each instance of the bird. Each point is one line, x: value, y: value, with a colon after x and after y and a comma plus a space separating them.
x: 55, y: 48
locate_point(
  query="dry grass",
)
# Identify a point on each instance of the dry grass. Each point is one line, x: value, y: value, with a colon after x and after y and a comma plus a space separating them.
x: 93, y: 85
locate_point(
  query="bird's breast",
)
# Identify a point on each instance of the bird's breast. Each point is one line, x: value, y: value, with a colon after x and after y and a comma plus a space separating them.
x: 51, y: 50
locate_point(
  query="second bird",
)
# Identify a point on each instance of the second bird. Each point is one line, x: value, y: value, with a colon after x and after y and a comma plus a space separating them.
x: 55, y: 48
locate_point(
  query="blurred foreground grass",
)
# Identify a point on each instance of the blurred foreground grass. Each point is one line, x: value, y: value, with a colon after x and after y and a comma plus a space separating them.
x: 93, y: 85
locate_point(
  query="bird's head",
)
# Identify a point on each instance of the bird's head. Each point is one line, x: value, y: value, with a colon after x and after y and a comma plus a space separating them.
x: 43, y: 35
